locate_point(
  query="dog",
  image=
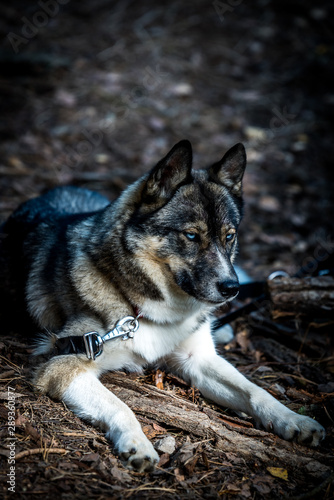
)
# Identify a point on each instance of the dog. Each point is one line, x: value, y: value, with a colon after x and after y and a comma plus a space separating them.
x: 134, y: 282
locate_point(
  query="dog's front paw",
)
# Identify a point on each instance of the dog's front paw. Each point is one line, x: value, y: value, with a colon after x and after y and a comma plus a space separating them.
x: 294, y: 427
x: 137, y: 452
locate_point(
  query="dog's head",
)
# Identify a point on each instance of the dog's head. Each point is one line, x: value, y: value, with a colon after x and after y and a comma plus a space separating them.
x: 186, y: 222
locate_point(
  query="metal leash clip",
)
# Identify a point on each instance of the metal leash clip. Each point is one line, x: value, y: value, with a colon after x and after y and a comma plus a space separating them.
x: 278, y: 274
x: 124, y: 328
x: 93, y: 344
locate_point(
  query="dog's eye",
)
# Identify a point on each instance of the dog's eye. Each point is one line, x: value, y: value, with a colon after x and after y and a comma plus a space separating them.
x: 230, y: 237
x: 191, y: 236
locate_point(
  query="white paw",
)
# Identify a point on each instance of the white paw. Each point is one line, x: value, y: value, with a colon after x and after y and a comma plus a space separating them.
x: 294, y: 427
x: 223, y: 335
x: 137, y: 452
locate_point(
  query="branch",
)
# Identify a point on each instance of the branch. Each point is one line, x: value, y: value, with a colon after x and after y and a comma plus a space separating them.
x: 310, y: 296
x: 164, y: 407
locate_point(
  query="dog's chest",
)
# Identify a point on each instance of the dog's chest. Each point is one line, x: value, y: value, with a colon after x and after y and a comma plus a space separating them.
x: 154, y: 341
x: 150, y: 343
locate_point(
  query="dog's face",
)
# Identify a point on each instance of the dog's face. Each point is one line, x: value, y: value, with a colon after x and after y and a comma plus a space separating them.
x: 187, y: 222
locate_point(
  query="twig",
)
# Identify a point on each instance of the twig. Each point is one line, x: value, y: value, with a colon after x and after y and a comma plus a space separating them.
x: 146, y: 488
x: 327, y: 412
x: 9, y: 373
x: 35, y: 451
x: 16, y: 367
x: 299, y: 377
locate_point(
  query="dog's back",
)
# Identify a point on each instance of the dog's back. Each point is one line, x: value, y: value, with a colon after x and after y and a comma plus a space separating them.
x: 24, y: 232
x: 57, y: 203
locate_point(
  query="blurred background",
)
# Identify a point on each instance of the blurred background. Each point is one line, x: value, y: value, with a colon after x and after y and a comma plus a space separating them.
x: 94, y: 93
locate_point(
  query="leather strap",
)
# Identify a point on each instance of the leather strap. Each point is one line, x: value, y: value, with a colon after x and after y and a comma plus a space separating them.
x: 70, y: 345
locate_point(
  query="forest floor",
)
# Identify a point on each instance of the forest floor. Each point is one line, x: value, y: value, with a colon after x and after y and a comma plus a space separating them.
x: 94, y: 94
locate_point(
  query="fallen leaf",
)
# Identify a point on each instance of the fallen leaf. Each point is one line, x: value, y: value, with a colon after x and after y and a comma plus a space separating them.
x: 32, y: 432
x: 191, y: 464
x: 151, y: 431
x: 178, y: 475
x: 121, y: 475
x: 164, y: 459
x: 278, y: 472
x: 67, y: 465
x: 187, y: 451
x: 90, y: 457
x: 246, y: 491
x: 233, y: 488
x: 21, y: 421
x: 158, y: 428
x: 159, y: 379
x: 263, y: 488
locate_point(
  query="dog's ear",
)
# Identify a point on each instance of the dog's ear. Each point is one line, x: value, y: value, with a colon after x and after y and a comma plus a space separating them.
x: 169, y: 174
x: 230, y: 169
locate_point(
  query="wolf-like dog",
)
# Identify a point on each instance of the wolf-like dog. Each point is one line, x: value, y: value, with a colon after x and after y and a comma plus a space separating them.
x: 125, y: 284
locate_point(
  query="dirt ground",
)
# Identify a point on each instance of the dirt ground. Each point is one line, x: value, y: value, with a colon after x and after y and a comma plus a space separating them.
x: 94, y: 93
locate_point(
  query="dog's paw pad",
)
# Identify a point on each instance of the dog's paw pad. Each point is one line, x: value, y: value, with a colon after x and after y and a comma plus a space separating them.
x: 126, y: 455
x: 143, y: 464
x: 137, y: 453
x: 313, y: 435
x: 303, y: 430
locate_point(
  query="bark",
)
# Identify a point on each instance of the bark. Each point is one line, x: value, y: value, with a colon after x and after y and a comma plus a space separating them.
x: 312, y: 296
x: 229, y: 434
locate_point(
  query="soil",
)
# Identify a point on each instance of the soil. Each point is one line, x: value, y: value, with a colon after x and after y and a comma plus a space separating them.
x: 94, y: 94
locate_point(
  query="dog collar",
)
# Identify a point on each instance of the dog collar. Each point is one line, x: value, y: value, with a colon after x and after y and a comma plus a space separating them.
x: 92, y: 343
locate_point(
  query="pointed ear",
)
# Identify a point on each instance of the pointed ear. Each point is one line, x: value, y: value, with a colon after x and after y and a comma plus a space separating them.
x: 169, y: 174
x: 230, y: 169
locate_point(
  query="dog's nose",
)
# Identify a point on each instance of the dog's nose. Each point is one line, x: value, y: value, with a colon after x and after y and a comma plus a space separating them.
x: 228, y: 288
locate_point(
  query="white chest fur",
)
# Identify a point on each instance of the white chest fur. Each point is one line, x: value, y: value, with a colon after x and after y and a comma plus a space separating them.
x: 151, y: 342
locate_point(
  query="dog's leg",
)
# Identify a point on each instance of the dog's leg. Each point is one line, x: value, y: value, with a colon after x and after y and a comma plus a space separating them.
x: 196, y: 360
x: 73, y: 380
